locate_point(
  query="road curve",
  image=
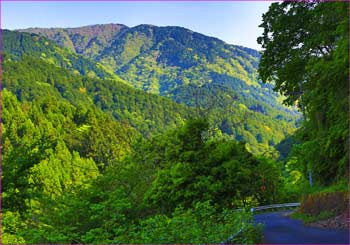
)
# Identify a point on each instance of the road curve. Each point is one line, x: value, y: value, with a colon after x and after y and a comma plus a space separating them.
x: 280, y: 229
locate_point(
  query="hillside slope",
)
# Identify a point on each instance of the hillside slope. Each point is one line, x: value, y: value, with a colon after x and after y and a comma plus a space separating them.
x: 217, y: 79
x: 169, y: 60
x: 87, y: 40
x: 19, y: 44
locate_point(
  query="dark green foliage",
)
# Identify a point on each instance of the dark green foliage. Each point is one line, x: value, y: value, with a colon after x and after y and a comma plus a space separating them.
x: 148, y: 113
x: 113, y: 207
x: 18, y: 44
x: 192, y: 69
x: 68, y: 175
x: 285, y: 147
x: 41, y: 140
x: 89, y: 159
x: 306, y: 55
x: 194, y: 167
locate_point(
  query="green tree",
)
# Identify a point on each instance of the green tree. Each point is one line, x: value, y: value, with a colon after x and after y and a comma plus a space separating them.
x: 306, y: 56
x: 195, y: 168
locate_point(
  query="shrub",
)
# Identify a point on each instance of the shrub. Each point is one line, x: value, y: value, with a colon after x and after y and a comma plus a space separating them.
x: 202, y: 224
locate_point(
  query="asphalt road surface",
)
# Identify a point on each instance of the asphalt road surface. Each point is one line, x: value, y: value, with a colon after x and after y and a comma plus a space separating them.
x: 280, y: 229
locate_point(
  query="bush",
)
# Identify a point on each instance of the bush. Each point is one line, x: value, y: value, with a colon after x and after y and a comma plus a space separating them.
x: 202, y: 224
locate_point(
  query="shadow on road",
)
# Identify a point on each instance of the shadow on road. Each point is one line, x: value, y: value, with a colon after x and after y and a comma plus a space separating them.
x: 281, y: 229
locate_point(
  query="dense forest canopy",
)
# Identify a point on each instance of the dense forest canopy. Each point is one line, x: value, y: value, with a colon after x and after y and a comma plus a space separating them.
x: 255, y: 117
x: 306, y: 47
x: 75, y: 142
x: 114, y: 134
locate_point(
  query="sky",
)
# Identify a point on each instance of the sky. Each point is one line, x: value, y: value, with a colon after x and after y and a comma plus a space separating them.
x: 233, y: 22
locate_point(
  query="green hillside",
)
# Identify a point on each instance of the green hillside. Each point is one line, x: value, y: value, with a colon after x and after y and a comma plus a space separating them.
x: 217, y: 79
x: 159, y: 59
x: 73, y: 153
x: 17, y: 44
x: 31, y: 78
x: 160, y: 135
x: 74, y: 174
x: 87, y: 40
x: 166, y: 60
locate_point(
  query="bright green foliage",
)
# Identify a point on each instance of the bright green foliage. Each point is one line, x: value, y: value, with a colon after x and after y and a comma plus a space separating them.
x: 145, y: 112
x: 44, y: 160
x: 295, y: 182
x: 217, y: 79
x: 112, y: 208
x: 48, y: 178
x: 61, y: 172
x: 198, y: 225
x: 89, y: 159
x: 39, y: 140
x: 194, y: 168
x: 306, y: 55
x: 11, y: 225
x: 18, y: 44
x: 97, y: 215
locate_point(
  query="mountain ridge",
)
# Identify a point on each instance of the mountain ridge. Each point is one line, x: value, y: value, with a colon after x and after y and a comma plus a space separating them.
x: 42, y: 30
x: 64, y: 36
x: 216, y: 78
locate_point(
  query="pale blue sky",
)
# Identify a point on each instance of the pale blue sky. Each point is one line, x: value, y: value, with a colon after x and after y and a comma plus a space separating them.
x: 233, y: 22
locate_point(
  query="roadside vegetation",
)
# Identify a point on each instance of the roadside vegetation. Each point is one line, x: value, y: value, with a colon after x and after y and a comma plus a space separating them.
x: 87, y: 160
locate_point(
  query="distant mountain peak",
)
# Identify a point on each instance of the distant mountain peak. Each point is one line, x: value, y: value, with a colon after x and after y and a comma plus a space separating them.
x: 96, y: 27
x: 190, y: 68
x: 87, y: 40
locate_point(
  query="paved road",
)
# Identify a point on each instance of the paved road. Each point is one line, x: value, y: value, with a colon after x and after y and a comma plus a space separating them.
x: 280, y: 229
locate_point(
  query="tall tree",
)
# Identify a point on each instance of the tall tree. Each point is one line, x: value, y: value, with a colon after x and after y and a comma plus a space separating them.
x: 306, y: 55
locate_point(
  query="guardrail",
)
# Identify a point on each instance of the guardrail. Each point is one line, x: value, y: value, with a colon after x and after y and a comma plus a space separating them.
x: 261, y: 208
x: 228, y: 240
x: 276, y: 206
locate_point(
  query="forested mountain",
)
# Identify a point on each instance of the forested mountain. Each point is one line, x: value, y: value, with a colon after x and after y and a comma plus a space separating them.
x: 74, y: 174
x: 171, y: 61
x: 31, y: 78
x: 88, y: 40
x: 18, y: 45
x: 149, y: 134
x: 77, y: 170
x: 217, y: 79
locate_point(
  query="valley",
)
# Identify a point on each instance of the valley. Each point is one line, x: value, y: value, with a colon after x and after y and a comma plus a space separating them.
x: 159, y: 134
